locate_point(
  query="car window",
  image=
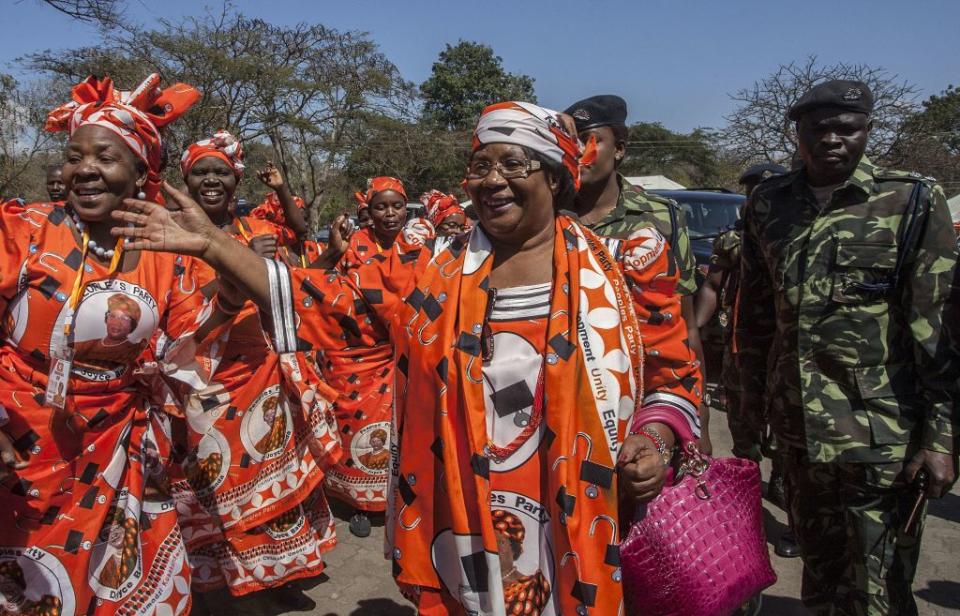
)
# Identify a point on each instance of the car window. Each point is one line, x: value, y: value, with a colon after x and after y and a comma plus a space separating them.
x: 707, y: 215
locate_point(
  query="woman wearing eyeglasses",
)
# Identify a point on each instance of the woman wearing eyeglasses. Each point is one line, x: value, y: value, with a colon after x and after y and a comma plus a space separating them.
x: 519, y: 380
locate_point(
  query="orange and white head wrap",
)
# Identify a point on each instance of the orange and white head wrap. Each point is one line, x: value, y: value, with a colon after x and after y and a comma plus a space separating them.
x: 537, y: 128
x: 136, y: 116
x: 378, y: 185
x: 440, y: 206
x: 222, y: 145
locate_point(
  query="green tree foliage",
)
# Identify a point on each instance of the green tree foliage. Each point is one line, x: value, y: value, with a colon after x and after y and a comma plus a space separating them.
x: 25, y: 148
x: 466, y: 78
x: 758, y: 130
x: 419, y: 153
x: 931, y: 140
x: 302, y: 90
x: 690, y: 159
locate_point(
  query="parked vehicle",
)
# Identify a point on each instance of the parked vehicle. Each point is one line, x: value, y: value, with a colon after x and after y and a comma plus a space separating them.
x: 709, y: 212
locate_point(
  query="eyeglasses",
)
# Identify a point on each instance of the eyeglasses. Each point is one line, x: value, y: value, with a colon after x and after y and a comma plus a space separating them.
x: 511, y: 169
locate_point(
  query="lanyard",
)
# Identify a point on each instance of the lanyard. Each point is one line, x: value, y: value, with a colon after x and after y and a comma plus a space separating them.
x: 74, y: 300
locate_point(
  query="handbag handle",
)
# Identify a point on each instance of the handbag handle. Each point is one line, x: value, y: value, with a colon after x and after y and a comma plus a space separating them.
x: 694, y: 463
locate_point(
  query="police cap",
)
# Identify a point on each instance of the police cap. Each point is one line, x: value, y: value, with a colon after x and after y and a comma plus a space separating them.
x: 601, y: 110
x: 840, y: 93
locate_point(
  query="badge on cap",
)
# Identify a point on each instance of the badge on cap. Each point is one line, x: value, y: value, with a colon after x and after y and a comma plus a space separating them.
x: 853, y: 94
x: 581, y: 114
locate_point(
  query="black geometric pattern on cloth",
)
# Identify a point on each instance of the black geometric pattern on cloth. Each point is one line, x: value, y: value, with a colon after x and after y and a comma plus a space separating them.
x: 476, y: 569
x: 21, y: 487
x: 562, y: 347
x: 26, y: 441
x: 432, y: 308
x: 612, y: 557
x: 372, y: 296
x: 410, y: 257
x: 99, y: 416
x: 585, y: 593
x: 50, y: 515
x: 548, y: 436
x: 74, y: 539
x: 89, y: 473
x: 403, y: 364
x: 208, y: 403
x: 56, y: 215
x: 512, y: 398
x: 303, y: 346
x: 231, y: 413
x: 73, y: 260
x: 245, y: 460
x: 406, y: 491
x: 505, y: 130
x: 480, y: 465
x: 90, y: 497
x: 442, y: 366
x: 437, y: 448
x: 359, y: 306
x: 596, y: 474
x: 566, y: 501
x: 468, y: 343
x: 178, y: 270
x: 49, y: 286
x: 688, y: 382
x: 307, y: 287
x: 415, y: 299
x: 37, y: 355
x: 655, y: 317
x: 349, y: 325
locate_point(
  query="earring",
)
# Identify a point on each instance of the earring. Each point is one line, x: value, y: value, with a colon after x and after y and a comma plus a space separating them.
x: 141, y: 195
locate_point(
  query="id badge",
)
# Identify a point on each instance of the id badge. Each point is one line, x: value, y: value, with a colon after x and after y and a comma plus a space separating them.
x: 58, y: 379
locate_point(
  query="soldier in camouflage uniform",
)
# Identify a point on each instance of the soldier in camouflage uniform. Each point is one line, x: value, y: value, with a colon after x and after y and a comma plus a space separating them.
x: 612, y: 207
x: 852, y: 364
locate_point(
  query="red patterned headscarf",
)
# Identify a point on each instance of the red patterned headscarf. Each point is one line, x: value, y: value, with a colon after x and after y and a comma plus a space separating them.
x: 440, y: 206
x: 135, y: 116
x: 271, y: 210
x: 537, y: 128
x: 222, y: 145
x: 378, y: 185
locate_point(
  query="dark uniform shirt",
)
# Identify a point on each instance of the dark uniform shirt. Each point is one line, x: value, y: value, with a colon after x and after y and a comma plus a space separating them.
x: 845, y: 373
x: 638, y: 209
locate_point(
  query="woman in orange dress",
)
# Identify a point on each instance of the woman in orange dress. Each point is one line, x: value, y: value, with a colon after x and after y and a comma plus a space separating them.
x: 83, y: 433
x: 520, y: 395
x: 444, y: 213
x: 277, y: 228
x: 385, y: 201
x: 258, y: 438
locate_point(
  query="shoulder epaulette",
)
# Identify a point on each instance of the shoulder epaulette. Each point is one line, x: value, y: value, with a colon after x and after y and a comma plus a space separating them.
x: 902, y: 176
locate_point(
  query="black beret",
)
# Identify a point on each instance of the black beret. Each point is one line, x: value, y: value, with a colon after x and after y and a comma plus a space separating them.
x: 841, y: 93
x: 602, y: 110
x: 759, y: 170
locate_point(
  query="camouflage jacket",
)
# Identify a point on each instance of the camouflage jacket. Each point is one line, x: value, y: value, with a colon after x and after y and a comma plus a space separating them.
x: 847, y: 374
x: 638, y: 209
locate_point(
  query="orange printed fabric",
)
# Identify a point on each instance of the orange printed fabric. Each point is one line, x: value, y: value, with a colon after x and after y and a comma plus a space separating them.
x: 250, y: 227
x: 355, y: 356
x: 258, y: 439
x: 89, y: 526
x: 672, y: 375
x: 364, y: 244
x: 457, y: 509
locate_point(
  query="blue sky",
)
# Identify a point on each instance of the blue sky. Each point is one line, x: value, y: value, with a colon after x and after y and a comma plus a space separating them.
x: 675, y: 62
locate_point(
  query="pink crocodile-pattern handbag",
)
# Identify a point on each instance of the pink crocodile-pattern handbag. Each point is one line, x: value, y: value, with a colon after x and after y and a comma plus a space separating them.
x: 699, y: 549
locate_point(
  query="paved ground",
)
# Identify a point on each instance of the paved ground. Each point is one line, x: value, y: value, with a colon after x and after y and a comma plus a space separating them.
x: 358, y: 582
